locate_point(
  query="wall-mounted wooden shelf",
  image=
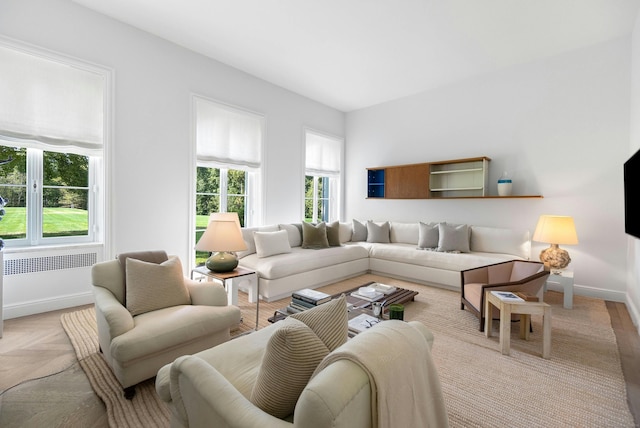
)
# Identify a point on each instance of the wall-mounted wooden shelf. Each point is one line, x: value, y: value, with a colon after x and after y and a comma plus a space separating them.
x: 453, y: 179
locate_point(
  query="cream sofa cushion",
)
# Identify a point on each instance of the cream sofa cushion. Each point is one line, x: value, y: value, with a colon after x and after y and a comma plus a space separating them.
x: 403, y: 233
x: 346, y: 231
x: 294, y: 232
x: 152, y: 286
x: 498, y: 240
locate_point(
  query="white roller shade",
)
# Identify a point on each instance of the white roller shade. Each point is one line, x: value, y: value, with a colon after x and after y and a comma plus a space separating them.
x: 228, y: 136
x: 49, y: 102
x: 322, y: 154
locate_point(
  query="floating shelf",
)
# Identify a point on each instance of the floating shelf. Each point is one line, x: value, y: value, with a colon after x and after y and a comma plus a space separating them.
x: 453, y: 179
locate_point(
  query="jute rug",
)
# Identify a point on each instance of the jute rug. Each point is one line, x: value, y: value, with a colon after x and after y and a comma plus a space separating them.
x: 581, y: 385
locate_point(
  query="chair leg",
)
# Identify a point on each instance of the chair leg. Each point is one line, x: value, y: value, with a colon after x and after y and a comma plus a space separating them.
x: 129, y: 392
x: 481, y: 324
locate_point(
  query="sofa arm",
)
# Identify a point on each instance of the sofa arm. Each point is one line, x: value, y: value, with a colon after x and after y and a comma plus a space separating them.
x: 425, y: 332
x: 205, y: 398
x: 117, y: 317
x: 208, y: 293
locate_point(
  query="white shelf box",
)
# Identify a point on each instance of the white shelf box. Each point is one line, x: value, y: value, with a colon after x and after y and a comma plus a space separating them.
x: 459, y: 179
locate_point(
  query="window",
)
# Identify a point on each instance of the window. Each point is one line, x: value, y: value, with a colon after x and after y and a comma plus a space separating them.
x: 323, y: 156
x: 51, y: 149
x: 229, y: 152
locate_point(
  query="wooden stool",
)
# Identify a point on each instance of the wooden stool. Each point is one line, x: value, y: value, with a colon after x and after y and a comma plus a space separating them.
x: 525, y: 309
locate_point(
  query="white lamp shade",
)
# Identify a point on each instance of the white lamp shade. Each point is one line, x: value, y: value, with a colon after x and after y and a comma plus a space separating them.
x: 555, y: 229
x: 222, y: 234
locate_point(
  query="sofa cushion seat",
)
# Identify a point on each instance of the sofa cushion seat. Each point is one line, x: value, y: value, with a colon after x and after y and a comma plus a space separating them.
x: 303, y: 260
x: 409, y: 253
x: 159, y: 330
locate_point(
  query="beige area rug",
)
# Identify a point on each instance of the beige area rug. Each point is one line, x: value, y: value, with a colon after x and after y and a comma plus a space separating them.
x: 581, y: 385
x: 144, y: 410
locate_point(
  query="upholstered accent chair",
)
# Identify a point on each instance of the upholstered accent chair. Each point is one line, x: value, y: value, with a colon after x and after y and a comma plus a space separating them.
x: 523, y: 276
x: 148, y: 314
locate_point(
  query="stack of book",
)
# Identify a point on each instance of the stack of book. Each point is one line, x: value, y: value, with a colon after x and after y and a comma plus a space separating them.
x: 307, y: 298
x: 362, y: 322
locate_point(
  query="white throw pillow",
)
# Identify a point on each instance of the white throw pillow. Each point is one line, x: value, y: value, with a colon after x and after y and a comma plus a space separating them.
x: 247, y: 236
x: 271, y: 243
x: 453, y: 237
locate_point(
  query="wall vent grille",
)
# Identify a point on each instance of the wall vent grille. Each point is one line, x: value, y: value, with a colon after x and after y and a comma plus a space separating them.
x: 49, y: 263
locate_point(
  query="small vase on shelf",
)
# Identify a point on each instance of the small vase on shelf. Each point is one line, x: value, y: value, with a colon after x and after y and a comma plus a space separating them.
x: 504, y: 185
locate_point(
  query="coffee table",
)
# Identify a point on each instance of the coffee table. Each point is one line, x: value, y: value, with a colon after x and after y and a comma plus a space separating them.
x: 358, y: 305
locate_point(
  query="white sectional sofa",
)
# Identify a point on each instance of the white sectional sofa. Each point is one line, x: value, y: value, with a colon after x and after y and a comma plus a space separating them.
x: 427, y: 253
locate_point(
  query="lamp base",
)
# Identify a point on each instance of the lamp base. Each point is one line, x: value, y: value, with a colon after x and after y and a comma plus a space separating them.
x: 222, y: 262
x: 555, y: 257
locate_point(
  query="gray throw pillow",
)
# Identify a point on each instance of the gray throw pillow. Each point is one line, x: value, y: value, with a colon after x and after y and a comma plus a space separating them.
x: 359, y: 233
x: 428, y: 235
x: 377, y: 232
x: 314, y: 236
x: 333, y: 234
x: 453, y: 237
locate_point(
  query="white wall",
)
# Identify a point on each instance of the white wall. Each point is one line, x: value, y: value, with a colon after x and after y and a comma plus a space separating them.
x: 559, y: 126
x: 151, y: 163
x: 633, y: 281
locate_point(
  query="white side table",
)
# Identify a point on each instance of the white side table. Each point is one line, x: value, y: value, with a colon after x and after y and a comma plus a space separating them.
x: 563, y: 279
x: 231, y: 281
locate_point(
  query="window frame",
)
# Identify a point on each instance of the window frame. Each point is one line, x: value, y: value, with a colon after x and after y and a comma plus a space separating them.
x: 34, y: 215
x: 99, y: 164
x: 335, y: 180
x: 254, y: 199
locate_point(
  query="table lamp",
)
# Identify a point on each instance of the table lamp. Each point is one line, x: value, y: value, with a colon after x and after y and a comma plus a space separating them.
x: 555, y: 230
x: 221, y: 237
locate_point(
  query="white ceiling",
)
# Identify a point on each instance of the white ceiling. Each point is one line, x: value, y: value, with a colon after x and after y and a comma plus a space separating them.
x: 351, y: 54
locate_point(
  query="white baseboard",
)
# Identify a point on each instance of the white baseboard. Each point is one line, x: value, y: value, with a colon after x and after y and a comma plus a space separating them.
x: 634, y: 313
x: 46, y: 305
x: 598, y: 293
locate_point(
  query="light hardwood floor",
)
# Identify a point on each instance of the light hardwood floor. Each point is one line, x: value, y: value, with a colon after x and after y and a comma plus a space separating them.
x: 42, y: 384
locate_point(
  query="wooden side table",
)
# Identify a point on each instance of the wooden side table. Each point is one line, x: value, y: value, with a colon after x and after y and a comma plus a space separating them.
x: 525, y: 309
x: 231, y: 280
x: 562, y: 278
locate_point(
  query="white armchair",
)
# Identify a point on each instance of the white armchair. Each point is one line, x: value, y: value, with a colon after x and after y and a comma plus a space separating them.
x: 136, y: 345
x: 213, y: 388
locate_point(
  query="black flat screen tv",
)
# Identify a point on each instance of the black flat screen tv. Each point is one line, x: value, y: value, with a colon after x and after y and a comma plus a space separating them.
x: 632, y: 195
